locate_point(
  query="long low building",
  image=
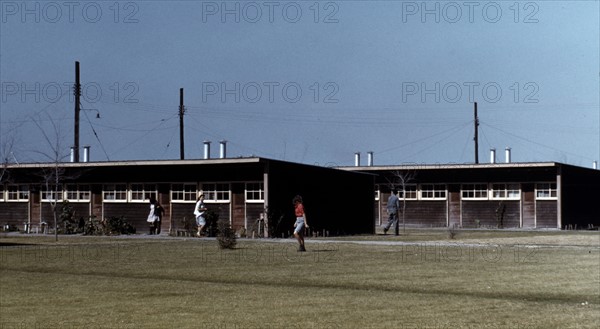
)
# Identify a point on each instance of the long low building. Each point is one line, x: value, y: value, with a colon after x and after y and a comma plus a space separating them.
x: 242, y: 190
x: 509, y: 195
x: 338, y: 200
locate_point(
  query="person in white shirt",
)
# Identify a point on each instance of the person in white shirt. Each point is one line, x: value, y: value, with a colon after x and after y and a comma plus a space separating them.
x: 199, y: 212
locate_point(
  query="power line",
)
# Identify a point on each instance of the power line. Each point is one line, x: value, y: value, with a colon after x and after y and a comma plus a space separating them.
x: 537, y: 143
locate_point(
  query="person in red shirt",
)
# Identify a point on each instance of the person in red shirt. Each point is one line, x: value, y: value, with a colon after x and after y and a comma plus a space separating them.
x: 300, y: 221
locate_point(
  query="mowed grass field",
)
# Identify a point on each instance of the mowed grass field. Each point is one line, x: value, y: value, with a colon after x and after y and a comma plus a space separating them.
x: 417, y: 280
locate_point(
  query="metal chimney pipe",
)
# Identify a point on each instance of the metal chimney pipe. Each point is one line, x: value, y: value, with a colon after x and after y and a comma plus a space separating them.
x: 86, y: 154
x: 72, y: 158
x: 492, y: 155
x: 595, y: 164
x: 507, y: 155
x: 223, y: 149
x: 207, y: 150
x: 370, y: 159
x: 357, y: 159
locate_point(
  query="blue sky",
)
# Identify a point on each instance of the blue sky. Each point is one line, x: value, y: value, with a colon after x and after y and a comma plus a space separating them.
x: 305, y: 81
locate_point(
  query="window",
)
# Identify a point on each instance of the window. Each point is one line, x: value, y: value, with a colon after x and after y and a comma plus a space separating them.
x: 506, y: 191
x: 142, y: 192
x: 475, y: 191
x: 183, y: 192
x: 216, y: 192
x: 78, y: 193
x: 17, y: 193
x: 545, y: 191
x: 2, y: 190
x: 115, y: 192
x: 52, y: 193
x: 433, y: 192
x: 255, y: 192
x: 408, y: 193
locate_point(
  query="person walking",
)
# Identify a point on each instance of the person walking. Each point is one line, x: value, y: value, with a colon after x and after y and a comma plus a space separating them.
x: 393, y: 205
x: 199, y: 212
x: 158, y: 211
x: 300, y: 223
x: 153, y: 217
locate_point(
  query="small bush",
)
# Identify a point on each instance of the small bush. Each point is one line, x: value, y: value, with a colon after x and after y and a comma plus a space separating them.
x: 274, y: 222
x: 189, y: 224
x: 93, y: 227
x: 108, y: 226
x: 70, y: 224
x: 500, y: 211
x: 212, y: 223
x: 226, y: 235
x: 117, y: 225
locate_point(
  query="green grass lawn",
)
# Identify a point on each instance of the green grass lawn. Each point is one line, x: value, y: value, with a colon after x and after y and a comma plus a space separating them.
x: 91, y: 282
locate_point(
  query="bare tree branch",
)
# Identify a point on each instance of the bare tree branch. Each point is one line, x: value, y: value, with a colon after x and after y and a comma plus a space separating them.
x: 402, y: 179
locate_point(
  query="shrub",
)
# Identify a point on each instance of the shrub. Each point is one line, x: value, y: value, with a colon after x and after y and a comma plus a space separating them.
x: 93, y: 227
x: 274, y: 222
x: 212, y: 223
x: 500, y: 211
x: 117, y: 225
x: 189, y: 224
x: 70, y: 224
x: 226, y: 235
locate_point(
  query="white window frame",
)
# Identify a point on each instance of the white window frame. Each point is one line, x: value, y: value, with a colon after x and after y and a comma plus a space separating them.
x: 437, y: 188
x: 184, y: 195
x: 505, y: 191
x: 215, y: 192
x: 106, y: 191
x: 2, y: 193
x: 50, y: 189
x: 413, y: 192
x: 251, y: 191
x: 142, y: 195
x: 551, y: 187
x: 474, y: 188
x: 78, y: 193
x: 22, y: 193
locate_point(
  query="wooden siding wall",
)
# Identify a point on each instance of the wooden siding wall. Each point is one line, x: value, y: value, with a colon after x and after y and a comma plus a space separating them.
x: 545, y: 214
x: 181, y: 212
x: 426, y: 213
x: 419, y: 213
x: 81, y: 210
x: 485, y: 213
x: 135, y: 213
x: 471, y: 213
x: 238, y: 202
x: 14, y: 213
x: 253, y: 211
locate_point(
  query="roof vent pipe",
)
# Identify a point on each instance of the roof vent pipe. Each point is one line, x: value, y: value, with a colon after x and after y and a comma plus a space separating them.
x: 86, y: 154
x: 206, y: 150
x: 72, y: 158
x: 223, y: 149
x: 357, y: 159
x: 507, y: 155
x: 595, y: 164
x: 492, y: 155
x: 370, y: 159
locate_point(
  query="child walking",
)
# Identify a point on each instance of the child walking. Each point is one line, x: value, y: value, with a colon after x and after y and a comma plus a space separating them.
x: 300, y: 221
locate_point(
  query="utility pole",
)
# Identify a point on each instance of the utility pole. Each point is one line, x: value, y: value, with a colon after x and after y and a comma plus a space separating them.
x: 476, y: 138
x: 181, y: 112
x: 77, y: 91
